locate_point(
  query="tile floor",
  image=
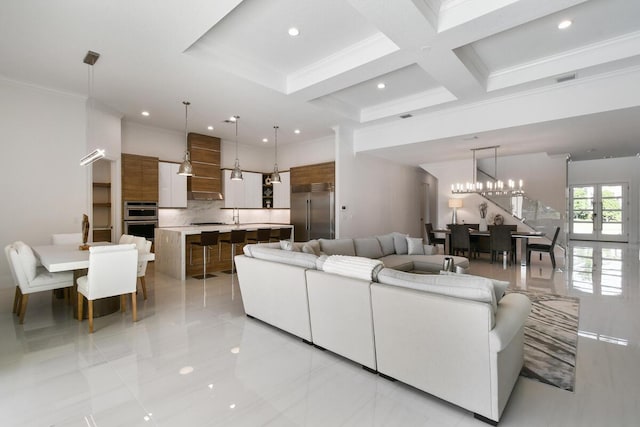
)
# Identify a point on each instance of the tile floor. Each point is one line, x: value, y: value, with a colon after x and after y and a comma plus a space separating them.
x: 195, y: 359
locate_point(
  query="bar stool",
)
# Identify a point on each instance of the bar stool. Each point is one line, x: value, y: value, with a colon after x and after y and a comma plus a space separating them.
x: 262, y: 235
x: 207, y: 239
x: 236, y: 237
x: 283, y: 234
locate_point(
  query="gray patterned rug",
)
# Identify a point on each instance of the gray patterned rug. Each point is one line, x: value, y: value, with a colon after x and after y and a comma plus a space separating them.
x: 551, y: 339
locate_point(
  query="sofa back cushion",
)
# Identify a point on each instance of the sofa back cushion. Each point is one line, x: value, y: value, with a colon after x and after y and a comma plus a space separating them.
x: 248, y: 249
x: 311, y: 247
x: 471, y: 288
x: 386, y: 243
x: 299, y: 259
x: 368, y: 247
x: 400, y: 243
x: 338, y: 247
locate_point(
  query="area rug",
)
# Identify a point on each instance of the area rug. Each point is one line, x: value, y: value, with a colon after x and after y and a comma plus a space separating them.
x: 551, y: 339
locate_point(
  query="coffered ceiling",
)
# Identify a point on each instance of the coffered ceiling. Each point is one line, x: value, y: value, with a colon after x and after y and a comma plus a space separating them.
x: 493, y: 60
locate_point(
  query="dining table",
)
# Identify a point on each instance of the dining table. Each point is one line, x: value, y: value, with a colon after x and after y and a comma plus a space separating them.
x: 523, y: 236
x: 56, y: 258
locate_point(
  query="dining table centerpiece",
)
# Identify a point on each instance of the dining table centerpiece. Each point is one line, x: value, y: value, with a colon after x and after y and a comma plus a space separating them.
x: 482, y: 207
x: 85, y: 233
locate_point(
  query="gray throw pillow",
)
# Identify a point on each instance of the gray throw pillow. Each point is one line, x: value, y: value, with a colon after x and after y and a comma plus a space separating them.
x: 400, y: 243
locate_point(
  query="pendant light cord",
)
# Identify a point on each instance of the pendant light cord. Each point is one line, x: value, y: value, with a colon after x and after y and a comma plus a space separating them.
x: 186, y: 126
x: 276, y: 127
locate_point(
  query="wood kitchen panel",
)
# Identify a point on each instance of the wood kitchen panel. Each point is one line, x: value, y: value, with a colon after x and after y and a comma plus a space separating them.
x: 204, y: 169
x: 311, y: 174
x: 139, y: 178
x: 205, y: 159
x: 205, y: 185
x: 205, y: 156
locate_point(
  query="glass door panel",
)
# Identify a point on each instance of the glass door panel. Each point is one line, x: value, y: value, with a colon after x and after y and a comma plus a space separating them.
x: 598, y: 212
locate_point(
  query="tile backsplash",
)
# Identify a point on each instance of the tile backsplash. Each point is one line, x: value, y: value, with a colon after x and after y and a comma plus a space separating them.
x: 211, y: 211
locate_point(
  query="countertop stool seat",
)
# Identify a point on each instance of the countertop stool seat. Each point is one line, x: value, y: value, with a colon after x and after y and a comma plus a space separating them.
x: 207, y: 240
x: 236, y: 237
x: 262, y: 235
x: 282, y: 234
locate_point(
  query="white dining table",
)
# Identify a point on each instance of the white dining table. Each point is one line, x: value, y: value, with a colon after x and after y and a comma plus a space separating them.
x: 57, y: 258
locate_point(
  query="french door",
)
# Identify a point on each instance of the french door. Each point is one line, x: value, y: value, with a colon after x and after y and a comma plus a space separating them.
x: 599, y: 212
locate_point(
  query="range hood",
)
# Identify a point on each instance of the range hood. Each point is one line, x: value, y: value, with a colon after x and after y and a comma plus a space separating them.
x: 204, y: 195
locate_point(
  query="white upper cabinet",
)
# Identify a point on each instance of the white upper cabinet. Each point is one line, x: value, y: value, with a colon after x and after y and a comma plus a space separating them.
x: 282, y: 192
x: 252, y: 190
x: 172, y: 188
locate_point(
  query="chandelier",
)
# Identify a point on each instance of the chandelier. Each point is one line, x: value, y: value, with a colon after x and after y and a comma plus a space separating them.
x: 492, y: 186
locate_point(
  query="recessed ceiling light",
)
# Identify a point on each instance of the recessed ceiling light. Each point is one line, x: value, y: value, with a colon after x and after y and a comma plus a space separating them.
x: 145, y: 113
x: 210, y: 127
x: 381, y: 85
x: 265, y: 140
x: 232, y: 119
x: 564, y: 24
x: 297, y: 131
x: 293, y: 31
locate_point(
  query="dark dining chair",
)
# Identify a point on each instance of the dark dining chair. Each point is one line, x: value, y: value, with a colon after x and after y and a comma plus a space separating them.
x: 543, y: 247
x: 431, y: 236
x: 461, y: 240
x: 500, y: 240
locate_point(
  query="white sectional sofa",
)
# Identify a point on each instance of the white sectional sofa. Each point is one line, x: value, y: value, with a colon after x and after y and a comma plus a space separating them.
x: 453, y: 336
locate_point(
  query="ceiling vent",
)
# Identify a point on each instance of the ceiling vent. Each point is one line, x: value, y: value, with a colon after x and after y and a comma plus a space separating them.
x: 566, y: 78
x: 406, y: 116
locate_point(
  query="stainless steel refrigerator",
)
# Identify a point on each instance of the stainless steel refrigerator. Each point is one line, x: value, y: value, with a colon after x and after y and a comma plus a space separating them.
x: 312, y: 211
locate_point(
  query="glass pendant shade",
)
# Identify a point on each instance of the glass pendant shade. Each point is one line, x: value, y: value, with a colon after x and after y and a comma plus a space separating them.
x: 186, y: 169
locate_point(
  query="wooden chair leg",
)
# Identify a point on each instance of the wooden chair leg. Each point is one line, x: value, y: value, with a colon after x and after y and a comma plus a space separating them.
x: 90, y: 304
x: 123, y: 303
x: 23, y: 307
x: 143, y: 283
x: 134, y: 307
x: 553, y: 259
x: 80, y: 306
x: 16, y: 299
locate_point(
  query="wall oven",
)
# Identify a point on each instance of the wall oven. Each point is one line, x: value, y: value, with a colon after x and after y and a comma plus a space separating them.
x: 141, y: 219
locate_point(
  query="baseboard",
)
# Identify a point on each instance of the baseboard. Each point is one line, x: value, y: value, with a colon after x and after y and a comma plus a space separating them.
x: 485, y: 419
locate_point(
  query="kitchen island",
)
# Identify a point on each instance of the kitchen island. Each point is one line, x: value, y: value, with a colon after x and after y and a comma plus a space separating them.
x: 172, y: 248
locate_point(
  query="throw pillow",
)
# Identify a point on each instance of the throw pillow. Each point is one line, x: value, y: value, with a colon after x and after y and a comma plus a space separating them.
x: 414, y: 246
x: 386, y: 243
x: 286, y: 245
x: 312, y: 247
x: 400, y: 243
x: 368, y: 247
x: 499, y: 286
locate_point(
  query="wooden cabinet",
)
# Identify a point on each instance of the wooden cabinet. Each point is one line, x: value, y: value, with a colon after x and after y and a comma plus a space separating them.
x: 205, y: 158
x: 139, y: 178
x: 215, y: 262
x: 313, y: 174
x: 172, y: 191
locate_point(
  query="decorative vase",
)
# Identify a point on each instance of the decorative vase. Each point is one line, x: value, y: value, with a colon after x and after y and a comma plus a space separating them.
x: 483, y: 225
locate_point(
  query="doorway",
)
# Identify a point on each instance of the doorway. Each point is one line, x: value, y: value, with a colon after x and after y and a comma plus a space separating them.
x: 599, y: 212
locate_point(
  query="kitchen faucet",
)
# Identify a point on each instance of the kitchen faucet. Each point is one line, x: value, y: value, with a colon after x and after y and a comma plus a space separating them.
x: 236, y: 216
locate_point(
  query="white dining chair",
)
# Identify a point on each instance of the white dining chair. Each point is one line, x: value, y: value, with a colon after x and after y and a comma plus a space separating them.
x: 112, y: 271
x: 126, y: 239
x: 67, y: 238
x: 144, y: 247
x: 30, y: 278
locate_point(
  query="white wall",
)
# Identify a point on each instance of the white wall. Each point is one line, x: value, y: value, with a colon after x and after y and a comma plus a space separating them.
x: 151, y: 141
x: 625, y: 169
x: 44, y: 190
x: 379, y: 196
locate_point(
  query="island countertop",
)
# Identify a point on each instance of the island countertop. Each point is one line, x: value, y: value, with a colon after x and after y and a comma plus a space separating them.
x: 171, y: 243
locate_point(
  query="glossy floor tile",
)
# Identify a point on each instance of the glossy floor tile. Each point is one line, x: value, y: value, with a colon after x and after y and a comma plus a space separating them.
x: 195, y: 359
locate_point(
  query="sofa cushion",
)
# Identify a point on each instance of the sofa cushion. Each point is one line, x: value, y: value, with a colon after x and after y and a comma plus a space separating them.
x: 353, y: 266
x: 311, y: 247
x: 398, y: 262
x: 368, y: 247
x: 414, y: 246
x: 299, y: 259
x: 320, y: 261
x: 499, y: 286
x: 386, y: 243
x: 247, y: 249
x: 400, y: 243
x: 472, y: 288
x: 288, y: 245
x: 338, y: 247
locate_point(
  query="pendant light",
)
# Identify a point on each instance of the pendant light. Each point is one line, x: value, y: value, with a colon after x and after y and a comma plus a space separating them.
x: 236, y: 173
x: 185, y: 167
x: 90, y: 59
x: 275, y: 176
